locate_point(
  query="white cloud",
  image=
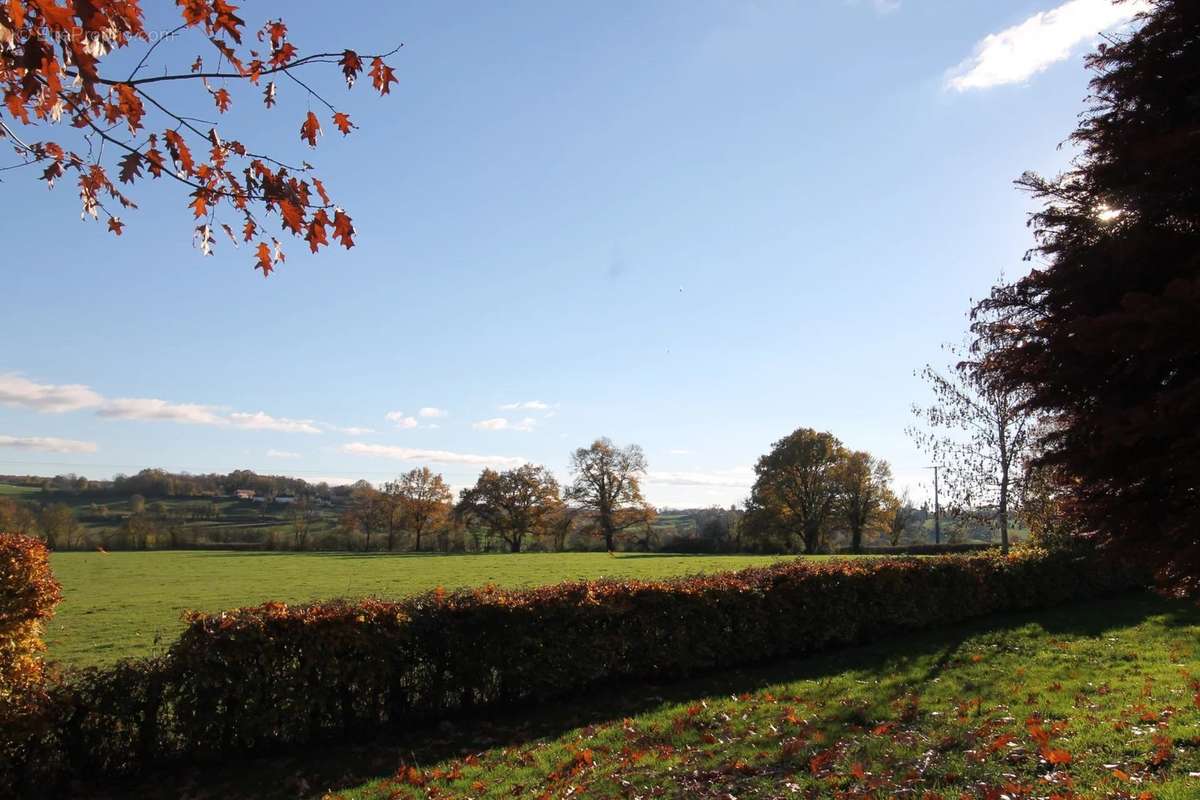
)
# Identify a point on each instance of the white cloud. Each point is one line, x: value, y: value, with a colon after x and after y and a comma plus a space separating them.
x: 678, y: 451
x: 1017, y: 53
x: 502, y: 424
x: 260, y: 421
x: 399, y: 419
x: 147, y: 408
x: 273, y: 453
x: 18, y: 391
x: 432, y: 413
x: 429, y: 456
x: 528, y: 405
x: 46, y: 397
x: 741, y: 478
x: 48, y: 444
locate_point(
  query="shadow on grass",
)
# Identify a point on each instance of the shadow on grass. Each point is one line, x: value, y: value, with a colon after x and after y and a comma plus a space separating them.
x: 340, y: 765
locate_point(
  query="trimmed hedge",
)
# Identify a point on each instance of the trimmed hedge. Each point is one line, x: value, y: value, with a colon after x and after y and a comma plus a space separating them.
x: 922, y: 549
x: 271, y: 676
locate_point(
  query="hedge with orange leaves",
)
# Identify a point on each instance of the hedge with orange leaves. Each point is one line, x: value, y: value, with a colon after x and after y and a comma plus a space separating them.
x: 272, y: 676
x: 28, y: 595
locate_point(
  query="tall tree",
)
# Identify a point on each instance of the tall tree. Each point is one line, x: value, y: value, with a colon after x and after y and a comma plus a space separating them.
x: 54, y: 69
x: 422, y: 499
x: 302, y: 513
x: 796, y: 487
x: 17, y: 517
x: 863, y: 480
x: 365, y: 511
x: 58, y: 525
x: 1102, y: 334
x: 607, y: 483
x: 898, y: 515
x: 512, y: 504
x: 389, y: 509
x: 981, y: 434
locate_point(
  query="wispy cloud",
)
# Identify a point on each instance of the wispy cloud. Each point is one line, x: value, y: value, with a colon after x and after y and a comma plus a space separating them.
x: 17, y: 390
x: 679, y: 451
x: 429, y: 456
x: 47, y: 444
x: 49, y: 398
x: 429, y: 412
x: 401, y: 420
x: 147, y: 408
x: 740, y: 478
x: 260, y: 421
x: 1016, y: 54
x: 273, y: 453
x: 527, y: 405
x: 349, y: 430
x: 880, y: 6
x: 503, y: 424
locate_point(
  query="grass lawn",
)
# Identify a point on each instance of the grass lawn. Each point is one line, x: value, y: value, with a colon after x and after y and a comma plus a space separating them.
x: 128, y: 603
x: 1096, y: 701
x: 14, y: 490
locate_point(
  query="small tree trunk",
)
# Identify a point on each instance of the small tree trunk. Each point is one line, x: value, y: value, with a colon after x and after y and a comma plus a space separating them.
x: 1003, y: 426
x: 1004, y: 510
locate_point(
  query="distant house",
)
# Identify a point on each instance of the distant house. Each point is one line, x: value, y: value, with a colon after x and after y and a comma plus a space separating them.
x: 243, y: 494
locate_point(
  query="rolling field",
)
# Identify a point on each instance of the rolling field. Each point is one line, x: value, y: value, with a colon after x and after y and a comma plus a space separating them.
x: 129, y: 603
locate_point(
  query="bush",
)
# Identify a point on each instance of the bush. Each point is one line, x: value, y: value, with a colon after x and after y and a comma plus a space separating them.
x: 274, y: 676
x: 28, y: 595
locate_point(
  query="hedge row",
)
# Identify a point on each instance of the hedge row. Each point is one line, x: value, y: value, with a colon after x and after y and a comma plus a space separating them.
x: 262, y: 678
x: 921, y: 549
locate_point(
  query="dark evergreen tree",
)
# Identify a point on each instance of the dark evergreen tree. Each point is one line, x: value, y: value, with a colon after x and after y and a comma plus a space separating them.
x: 1104, y: 334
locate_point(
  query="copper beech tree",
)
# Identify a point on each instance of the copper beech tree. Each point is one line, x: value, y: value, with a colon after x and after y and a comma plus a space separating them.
x: 53, y: 55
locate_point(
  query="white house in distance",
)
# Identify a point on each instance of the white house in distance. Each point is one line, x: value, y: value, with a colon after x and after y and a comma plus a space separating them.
x: 243, y: 494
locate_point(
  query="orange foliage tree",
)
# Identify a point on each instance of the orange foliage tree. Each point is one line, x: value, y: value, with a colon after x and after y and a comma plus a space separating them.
x: 51, y: 60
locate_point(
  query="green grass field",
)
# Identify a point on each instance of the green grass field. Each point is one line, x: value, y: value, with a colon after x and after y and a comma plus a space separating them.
x: 129, y: 603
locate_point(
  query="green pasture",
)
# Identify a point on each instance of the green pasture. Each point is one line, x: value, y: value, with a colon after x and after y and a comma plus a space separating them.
x: 122, y: 604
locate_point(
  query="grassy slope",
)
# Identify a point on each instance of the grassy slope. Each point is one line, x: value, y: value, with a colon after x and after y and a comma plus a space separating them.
x: 926, y: 713
x: 128, y: 603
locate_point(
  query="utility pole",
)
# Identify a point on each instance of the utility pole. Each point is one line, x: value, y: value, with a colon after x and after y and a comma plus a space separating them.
x: 937, y: 509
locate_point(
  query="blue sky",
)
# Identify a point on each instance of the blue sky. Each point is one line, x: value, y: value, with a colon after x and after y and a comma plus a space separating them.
x: 691, y: 225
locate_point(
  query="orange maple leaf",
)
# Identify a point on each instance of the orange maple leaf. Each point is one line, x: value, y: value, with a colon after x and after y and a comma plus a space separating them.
x: 263, y: 252
x: 310, y: 129
x: 382, y: 76
x: 342, y: 121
